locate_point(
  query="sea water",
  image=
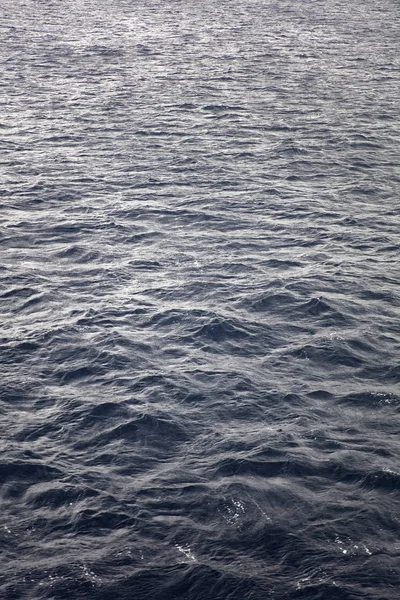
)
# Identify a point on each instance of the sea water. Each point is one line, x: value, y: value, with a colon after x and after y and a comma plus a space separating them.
x: 200, y: 299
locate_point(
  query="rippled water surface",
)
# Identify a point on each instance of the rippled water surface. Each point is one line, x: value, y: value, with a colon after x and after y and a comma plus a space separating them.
x: 200, y: 300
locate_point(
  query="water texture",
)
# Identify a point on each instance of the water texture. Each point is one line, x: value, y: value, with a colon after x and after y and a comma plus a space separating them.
x: 199, y: 296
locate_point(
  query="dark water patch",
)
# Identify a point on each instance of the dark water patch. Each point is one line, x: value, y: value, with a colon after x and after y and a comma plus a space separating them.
x: 317, y: 306
x: 370, y: 400
x: 105, y: 411
x: 27, y: 471
x: 32, y: 303
x: 274, y: 465
x: 31, y: 433
x: 332, y: 354
x: 386, y: 481
x: 57, y: 496
x: 24, y: 292
x: 189, y: 581
x: 321, y: 395
x: 78, y: 254
x: 17, y: 353
x: 99, y: 523
x: 283, y: 264
x: 390, y: 374
x: 218, y: 330
x: 274, y: 301
x: 84, y: 373
x: 146, y: 264
x: 145, y: 429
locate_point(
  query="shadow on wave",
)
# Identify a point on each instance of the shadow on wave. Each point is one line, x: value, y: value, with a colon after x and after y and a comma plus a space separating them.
x: 324, y: 472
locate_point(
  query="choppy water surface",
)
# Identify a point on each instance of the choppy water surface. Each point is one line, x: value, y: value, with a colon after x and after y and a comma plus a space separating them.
x: 200, y: 301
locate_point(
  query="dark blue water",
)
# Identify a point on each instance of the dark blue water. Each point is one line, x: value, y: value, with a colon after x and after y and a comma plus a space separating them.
x: 199, y: 276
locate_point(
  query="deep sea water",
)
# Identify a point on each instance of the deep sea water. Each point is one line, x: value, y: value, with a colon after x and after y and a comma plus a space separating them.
x: 199, y: 295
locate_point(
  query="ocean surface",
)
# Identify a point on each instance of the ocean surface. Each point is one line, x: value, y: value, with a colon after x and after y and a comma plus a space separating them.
x: 200, y: 301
